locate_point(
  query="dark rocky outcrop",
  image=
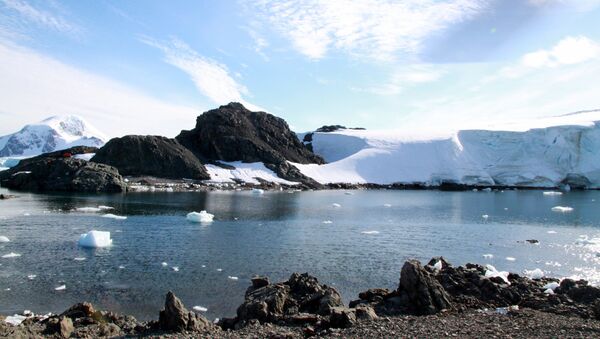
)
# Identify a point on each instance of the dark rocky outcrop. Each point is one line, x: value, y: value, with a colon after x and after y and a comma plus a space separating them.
x: 137, y: 155
x: 420, y: 291
x: 60, y: 171
x: 333, y: 128
x: 234, y: 133
x: 176, y: 318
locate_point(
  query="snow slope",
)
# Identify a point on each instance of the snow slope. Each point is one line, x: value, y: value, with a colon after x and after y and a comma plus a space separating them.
x: 245, y: 172
x: 54, y: 133
x: 567, y: 145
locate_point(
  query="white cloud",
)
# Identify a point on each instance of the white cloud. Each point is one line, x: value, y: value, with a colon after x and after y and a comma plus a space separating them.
x: 34, y: 86
x: 571, y: 50
x: 39, y: 16
x: 260, y: 43
x: 378, y: 29
x: 581, y: 5
x: 211, y: 78
x: 405, y: 77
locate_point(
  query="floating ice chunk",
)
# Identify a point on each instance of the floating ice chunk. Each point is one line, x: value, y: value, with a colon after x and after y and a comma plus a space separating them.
x: 370, y: 232
x: 175, y: 268
x: 113, y: 216
x: 232, y: 278
x: 4, y: 239
x: 203, y: 216
x: 336, y: 205
x: 534, y: 274
x: 164, y: 264
x: 549, y: 291
x: 328, y: 222
x: 15, y: 320
x: 88, y: 209
x: 387, y: 205
x: 121, y: 267
x: 95, y: 239
x: 219, y: 270
x: 200, y: 308
x: 510, y: 258
x: 492, y: 272
x: 488, y: 256
x: 553, y: 193
x: 79, y: 259
x: 258, y: 191
x: 475, y: 190
x: 487, y: 189
x: 562, y: 209
x: 203, y: 266
x: 61, y: 288
x: 11, y: 255
x: 26, y: 214
x: 551, y: 232
x: 551, y: 286
x: 485, y: 216
x: 31, y: 276
x: 105, y: 208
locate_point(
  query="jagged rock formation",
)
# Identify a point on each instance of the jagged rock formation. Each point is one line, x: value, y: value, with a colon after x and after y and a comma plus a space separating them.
x: 233, y: 133
x: 61, y: 171
x: 176, y: 318
x: 136, y: 155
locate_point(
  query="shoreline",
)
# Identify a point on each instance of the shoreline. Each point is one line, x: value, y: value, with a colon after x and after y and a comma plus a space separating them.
x: 433, y: 299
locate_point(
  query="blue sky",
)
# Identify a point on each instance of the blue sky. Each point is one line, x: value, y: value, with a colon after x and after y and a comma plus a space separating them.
x: 150, y: 67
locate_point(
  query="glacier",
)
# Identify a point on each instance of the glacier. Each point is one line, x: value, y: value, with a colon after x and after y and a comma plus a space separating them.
x: 564, y: 151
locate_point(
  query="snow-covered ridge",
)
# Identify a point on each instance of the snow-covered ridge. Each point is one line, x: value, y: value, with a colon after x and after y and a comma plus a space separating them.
x: 539, y: 157
x: 54, y: 133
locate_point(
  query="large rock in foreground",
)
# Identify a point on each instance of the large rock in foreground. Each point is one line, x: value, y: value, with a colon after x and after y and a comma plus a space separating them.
x: 423, y: 293
x: 175, y: 317
x: 138, y: 155
x: 233, y: 133
x: 60, y: 171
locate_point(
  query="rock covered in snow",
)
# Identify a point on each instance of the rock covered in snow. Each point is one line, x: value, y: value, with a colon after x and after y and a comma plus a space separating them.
x: 95, y: 239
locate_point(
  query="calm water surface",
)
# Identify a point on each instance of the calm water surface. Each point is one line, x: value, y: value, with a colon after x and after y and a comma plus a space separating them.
x: 276, y: 234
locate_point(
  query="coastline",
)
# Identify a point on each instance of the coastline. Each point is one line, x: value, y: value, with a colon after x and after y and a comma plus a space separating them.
x: 432, y: 300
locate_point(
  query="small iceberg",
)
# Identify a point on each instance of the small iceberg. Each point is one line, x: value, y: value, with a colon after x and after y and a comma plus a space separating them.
x: 488, y: 256
x: 200, y: 308
x: 219, y: 270
x: 232, y: 278
x: 562, y: 209
x: 4, y: 239
x: 95, y: 239
x: 551, y: 232
x: 553, y: 193
x: 31, y: 276
x: 164, y: 264
x: 370, y: 232
x: 336, y: 205
x: 492, y: 272
x: 61, y: 288
x: 203, y: 216
x: 175, y: 268
x: 11, y: 255
x: 510, y: 259
x: 113, y: 216
x: 79, y: 259
x: 534, y: 274
x: 258, y: 191
x: 387, y: 205
x: 328, y: 222
x: 485, y: 216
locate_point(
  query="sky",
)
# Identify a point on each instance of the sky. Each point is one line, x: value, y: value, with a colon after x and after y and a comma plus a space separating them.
x: 151, y: 67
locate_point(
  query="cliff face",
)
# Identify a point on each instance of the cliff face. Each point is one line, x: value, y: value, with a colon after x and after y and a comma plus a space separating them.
x: 151, y: 155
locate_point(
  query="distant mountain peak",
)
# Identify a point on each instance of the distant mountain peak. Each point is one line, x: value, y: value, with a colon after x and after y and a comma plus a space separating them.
x: 53, y: 133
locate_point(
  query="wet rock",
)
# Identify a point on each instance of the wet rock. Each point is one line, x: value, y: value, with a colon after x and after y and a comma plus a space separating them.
x: 424, y: 294
x: 175, y: 317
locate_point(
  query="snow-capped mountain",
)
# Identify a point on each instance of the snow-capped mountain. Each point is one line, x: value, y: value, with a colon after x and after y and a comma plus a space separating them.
x: 54, y: 133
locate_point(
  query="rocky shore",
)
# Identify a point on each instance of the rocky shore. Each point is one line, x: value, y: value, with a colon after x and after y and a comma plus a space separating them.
x: 432, y: 300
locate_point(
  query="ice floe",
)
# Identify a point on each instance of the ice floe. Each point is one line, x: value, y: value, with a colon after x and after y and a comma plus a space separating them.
x: 164, y: 264
x: 328, y: 222
x: 31, y: 276
x: 4, y: 239
x: 485, y: 216
x: 492, y: 272
x: 336, y: 205
x: 114, y: 216
x: 488, y: 256
x: 258, y: 191
x: 61, y: 288
x: 232, y: 278
x: 552, y: 193
x: 200, y: 308
x: 534, y: 274
x: 219, y: 270
x: 387, y: 205
x: 79, y: 259
x: 175, y: 268
x: 585, y: 240
x: 370, y: 232
x: 510, y: 258
x: 551, y: 232
x: 95, y: 239
x: 562, y: 209
x: 121, y: 267
x: 11, y: 255
x: 203, y: 216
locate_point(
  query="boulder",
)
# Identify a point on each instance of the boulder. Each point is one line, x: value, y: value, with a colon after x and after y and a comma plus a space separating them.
x: 176, y: 318
x: 60, y: 172
x: 424, y: 294
x: 137, y: 155
x: 342, y: 317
